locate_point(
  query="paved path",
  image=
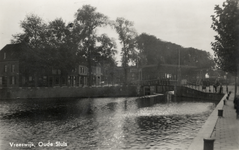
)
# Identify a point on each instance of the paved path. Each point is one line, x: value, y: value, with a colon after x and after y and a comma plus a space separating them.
x: 227, y: 128
x: 207, y: 129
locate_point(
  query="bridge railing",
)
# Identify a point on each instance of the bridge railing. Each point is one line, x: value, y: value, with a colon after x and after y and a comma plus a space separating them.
x: 158, y: 82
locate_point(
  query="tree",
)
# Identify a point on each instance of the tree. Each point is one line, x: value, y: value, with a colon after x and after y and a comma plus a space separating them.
x: 150, y: 49
x: 51, y: 45
x: 34, y: 32
x: 155, y: 51
x: 225, y: 46
x: 34, y: 29
x: 60, y: 46
x: 106, y: 49
x: 57, y: 33
x: 87, y: 20
x: 127, y: 37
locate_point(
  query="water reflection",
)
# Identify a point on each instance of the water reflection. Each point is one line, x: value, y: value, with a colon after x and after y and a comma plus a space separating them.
x: 104, y: 123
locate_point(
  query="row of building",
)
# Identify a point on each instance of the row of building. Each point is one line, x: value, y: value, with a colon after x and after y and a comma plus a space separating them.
x: 11, y: 73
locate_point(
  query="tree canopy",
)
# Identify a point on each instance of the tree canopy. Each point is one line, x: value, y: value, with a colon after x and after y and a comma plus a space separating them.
x: 59, y: 45
x: 92, y: 46
x: 226, y: 44
x: 33, y: 32
x: 156, y: 51
x: 127, y: 36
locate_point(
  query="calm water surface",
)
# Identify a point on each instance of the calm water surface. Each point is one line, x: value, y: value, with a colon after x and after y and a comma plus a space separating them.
x: 102, y: 123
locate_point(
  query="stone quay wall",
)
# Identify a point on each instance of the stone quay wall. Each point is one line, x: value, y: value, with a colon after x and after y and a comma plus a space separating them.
x: 183, y: 91
x: 64, y: 92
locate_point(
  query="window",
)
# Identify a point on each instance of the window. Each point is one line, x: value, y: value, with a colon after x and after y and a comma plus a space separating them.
x: 30, y: 78
x: 4, y: 55
x: 69, y: 80
x: 57, y: 81
x: 82, y: 70
x: 0, y: 80
x: 13, y: 68
x: 13, y: 80
x: 5, y: 68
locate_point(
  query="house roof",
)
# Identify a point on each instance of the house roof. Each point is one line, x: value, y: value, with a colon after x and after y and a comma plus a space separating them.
x: 15, y: 47
x: 14, y: 50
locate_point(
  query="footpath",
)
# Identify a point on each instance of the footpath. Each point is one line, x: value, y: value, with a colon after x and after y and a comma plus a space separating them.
x: 226, y: 133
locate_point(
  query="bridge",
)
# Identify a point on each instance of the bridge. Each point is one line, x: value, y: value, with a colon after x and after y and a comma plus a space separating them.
x: 149, y: 87
x: 193, y: 89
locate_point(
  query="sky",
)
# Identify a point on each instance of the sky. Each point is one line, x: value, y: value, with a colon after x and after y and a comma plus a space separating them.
x: 183, y: 22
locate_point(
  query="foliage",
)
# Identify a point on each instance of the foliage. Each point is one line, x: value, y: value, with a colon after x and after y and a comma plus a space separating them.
x: 150, y: 49
x: 91, y: 46
x: 61, y: 46
x: 226, y: 44
x: 127, y: 37
x: 51, y: 45
x: 34, y: 32
x: 156, y: 51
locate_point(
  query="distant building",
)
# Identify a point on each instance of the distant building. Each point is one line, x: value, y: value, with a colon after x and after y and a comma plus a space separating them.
x: 83, y: 75
x: 97, y: 75
x: 12, y: 71
x: 133, y: 75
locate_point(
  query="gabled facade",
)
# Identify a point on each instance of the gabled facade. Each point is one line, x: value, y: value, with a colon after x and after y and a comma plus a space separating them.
x: 12, y: 71
x: 9, y: 65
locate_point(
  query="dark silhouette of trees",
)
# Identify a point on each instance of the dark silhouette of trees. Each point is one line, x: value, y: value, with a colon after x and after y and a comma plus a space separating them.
x: 51, y: 45
x: 87, y: 20
x: 156, y: 51
x: 62, y: 46
x: 34, y: 30
x: 127, y: 37
x: 226, y: 44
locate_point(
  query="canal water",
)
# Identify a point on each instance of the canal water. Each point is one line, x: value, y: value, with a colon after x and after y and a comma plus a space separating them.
x: 102, y: 123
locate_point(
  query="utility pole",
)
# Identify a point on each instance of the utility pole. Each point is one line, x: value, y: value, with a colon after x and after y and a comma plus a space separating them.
x: 178, y: 81
x: 179, y: 68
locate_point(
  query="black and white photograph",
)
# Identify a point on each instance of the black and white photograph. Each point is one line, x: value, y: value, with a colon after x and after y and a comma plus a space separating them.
x: 119, y: 74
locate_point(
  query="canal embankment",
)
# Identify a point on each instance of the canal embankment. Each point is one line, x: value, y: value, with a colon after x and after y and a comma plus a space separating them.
x: 83, y: 92
x: 67, y: 92
x: 183, y: 91
x: 207, y: 130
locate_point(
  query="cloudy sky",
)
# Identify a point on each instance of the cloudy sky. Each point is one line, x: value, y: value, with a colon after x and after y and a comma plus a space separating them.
x: 184, y: 22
